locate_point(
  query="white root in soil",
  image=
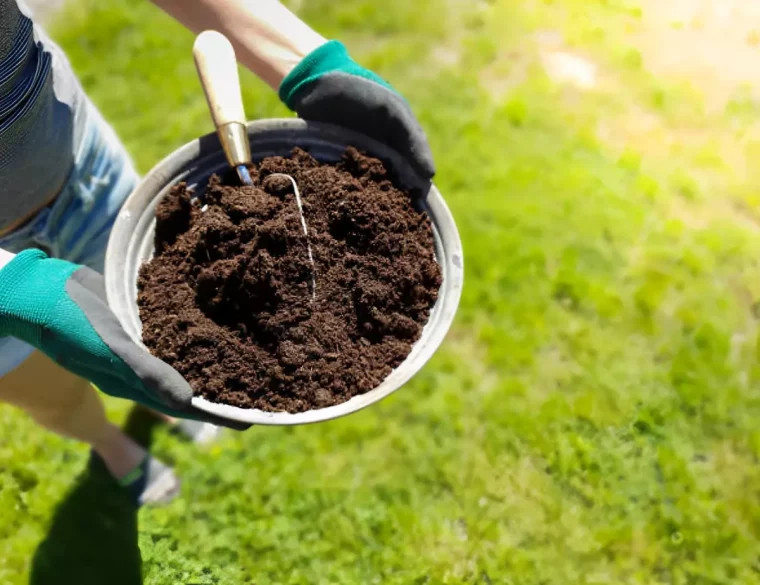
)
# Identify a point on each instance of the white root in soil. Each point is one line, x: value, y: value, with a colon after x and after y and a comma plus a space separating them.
x: 305, y: 231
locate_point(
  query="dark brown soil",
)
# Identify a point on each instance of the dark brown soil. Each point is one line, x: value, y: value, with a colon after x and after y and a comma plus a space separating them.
x: 227, y: 300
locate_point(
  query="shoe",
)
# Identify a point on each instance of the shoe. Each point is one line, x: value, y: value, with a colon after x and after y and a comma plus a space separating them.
x: 200, y: 433
x: 151, y: 482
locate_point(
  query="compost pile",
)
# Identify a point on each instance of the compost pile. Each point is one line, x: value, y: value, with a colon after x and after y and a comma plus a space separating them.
x: 233, y: 302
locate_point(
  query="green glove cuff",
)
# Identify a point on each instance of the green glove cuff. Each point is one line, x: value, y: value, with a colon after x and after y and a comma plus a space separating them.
x: 28, y: 294
x: 327, y: 58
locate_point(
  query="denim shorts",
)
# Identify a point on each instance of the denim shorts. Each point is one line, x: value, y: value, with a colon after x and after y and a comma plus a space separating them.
x: 76, y: 226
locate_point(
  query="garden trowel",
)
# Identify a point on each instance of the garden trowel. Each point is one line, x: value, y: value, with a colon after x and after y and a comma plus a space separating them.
x: 217, y: 68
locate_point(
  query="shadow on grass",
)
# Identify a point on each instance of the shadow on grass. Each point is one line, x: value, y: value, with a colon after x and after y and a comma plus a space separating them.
x: 93, y: 536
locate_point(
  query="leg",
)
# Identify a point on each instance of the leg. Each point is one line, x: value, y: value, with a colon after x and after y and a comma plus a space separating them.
x: 67, y: 405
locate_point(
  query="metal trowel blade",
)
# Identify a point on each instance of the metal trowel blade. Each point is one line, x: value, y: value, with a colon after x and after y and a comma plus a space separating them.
x: 245, y: 176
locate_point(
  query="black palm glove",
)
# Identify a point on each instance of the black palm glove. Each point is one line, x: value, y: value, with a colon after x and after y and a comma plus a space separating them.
x: 328, y: 86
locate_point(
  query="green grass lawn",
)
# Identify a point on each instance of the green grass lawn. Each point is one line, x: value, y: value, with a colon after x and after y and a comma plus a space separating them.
x: 593, y: 415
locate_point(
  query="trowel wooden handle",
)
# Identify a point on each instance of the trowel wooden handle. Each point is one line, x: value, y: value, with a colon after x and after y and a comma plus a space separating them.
x: 217, y: 69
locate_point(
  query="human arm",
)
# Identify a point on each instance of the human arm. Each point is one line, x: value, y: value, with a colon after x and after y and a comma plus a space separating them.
x: 314, y: 77
x: 269, y: 39
x: 5, y: 257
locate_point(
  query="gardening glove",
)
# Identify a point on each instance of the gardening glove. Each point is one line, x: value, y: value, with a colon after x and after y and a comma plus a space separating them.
x: 60, y: 308
x: 329, y: 86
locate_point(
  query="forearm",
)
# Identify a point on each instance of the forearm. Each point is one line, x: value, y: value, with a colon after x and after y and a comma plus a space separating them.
x: 5, y: 257
x: 268, y: 38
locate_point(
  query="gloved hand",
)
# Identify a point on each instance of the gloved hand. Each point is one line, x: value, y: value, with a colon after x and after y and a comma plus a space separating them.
x: 328, y: 86
x: 60, y: 308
